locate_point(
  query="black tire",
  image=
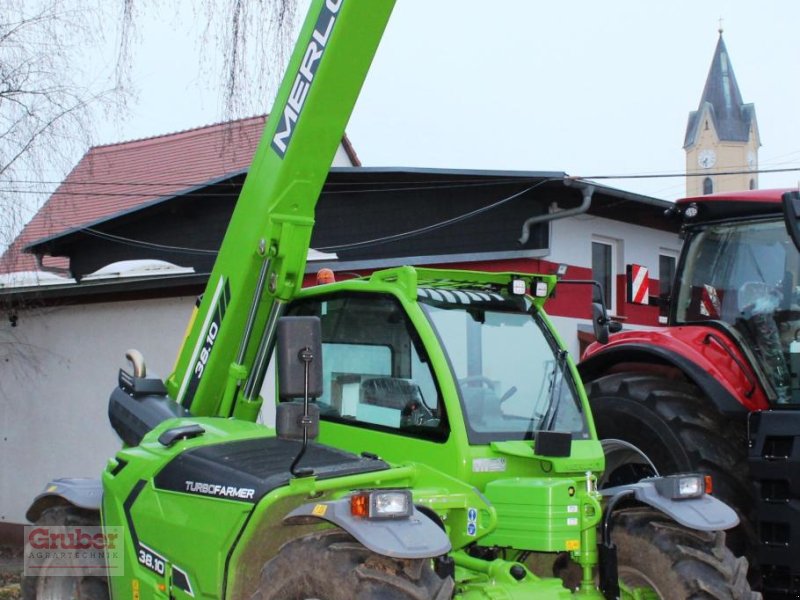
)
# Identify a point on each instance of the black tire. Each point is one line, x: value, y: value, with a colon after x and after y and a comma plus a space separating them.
x: 676, y: 562
x: 679, y: 430
x: 66, y: 588
x: 331, y: 565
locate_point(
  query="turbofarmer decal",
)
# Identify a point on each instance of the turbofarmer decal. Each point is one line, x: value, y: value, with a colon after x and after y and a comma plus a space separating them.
x: 222, y: 491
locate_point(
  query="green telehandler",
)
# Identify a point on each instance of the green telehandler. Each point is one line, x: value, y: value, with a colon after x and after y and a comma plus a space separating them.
x: 463, y: 371
x: 456, y: 457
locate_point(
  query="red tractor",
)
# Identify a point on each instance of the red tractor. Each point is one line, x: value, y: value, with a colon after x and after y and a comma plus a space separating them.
x: 718, y: 389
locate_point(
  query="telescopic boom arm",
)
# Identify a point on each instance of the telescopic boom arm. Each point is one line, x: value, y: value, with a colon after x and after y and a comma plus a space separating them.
x: 261, y: 262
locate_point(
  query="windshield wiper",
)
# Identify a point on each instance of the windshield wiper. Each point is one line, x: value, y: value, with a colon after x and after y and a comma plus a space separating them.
x: 555, y: 391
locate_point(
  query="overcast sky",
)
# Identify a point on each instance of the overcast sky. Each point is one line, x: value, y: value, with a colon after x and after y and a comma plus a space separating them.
x: 586, y: 87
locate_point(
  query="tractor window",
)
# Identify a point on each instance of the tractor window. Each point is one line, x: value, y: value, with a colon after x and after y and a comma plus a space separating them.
x: 729, y: 267
x: 747, y: 275
x: 375, y: 372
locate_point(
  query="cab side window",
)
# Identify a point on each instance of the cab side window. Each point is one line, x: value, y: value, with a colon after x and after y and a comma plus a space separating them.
x: 375, y: 371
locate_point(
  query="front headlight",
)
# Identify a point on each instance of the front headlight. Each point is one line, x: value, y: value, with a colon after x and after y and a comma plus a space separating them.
x: 381, y: 504
x: 678, y: 487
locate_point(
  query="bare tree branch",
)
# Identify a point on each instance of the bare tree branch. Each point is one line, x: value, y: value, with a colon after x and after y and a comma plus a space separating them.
x: 48, y: 104
x: 255, y: 39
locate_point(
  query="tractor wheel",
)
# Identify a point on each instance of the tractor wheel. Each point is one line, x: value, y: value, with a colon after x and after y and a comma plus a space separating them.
x: 679, y: 431
x: 44, y: 587
x: 655, y: 552
x: 331, y: 565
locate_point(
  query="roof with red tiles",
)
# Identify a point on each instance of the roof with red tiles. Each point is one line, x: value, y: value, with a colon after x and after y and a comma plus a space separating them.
x: 117, y: 177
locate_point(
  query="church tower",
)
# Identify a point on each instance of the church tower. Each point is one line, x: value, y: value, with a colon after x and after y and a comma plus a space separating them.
x: 722, y: 134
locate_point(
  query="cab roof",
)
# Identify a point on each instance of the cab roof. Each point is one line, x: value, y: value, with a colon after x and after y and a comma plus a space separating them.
x: 729, y: 205
x: 769, y: 196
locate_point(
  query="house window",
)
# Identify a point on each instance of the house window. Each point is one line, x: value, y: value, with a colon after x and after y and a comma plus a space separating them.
x: 666, y: 275
x: 752, y: 184
x: 604, y: 270
x: 708, y: 186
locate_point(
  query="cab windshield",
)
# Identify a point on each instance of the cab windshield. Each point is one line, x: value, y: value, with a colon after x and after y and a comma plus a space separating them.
x: 512, y: 377
x: 746, y: 275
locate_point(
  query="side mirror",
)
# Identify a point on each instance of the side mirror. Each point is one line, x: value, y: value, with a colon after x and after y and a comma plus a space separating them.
x: 299, y: 354
x: 600, y: 322
x: 299, y: 350
x: 791, y: 216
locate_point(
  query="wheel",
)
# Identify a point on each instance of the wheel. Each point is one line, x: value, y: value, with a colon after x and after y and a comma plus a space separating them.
x: 61, y: 587
x: 678, y: 430
x: 331, y: 565
x: 675, y: 562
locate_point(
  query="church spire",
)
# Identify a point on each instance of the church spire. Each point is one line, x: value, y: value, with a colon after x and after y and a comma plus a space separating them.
x: 722, y: 100
x: 721, y: 141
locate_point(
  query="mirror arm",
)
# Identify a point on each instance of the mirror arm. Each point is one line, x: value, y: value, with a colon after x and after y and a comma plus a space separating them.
x: 601, y: 323
x: 305, y: 355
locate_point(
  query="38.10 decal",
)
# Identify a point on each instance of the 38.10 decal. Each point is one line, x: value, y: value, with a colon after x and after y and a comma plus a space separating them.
x: 150, y: 560
x: 201, y: 354
x: 206, y: 350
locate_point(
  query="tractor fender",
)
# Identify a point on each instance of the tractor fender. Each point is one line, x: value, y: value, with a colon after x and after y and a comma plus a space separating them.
x: 722, y: 389
x: 704, y: 513
x: 415, y: 537
x: 81, y: 492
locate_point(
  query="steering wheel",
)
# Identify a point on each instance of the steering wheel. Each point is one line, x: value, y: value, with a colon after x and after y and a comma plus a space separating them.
x: 489, y: 383
x: 416, y: 413
x: 755, y: 297
x: 482, y: 379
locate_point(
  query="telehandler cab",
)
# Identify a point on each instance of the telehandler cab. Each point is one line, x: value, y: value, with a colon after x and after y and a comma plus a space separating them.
x: 463, y: 371
x: 459, y: 455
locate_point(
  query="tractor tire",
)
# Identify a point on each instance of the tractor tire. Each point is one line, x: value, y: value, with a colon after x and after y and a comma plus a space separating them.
x: 680, y: 431
x: 44, y: 587
x: 654, y: 551
x: 331, y: 565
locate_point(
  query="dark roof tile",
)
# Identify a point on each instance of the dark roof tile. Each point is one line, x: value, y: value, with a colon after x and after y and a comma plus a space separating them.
x: 116, y: 177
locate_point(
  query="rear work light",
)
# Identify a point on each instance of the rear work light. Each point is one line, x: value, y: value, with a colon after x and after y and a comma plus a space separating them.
x: 679, y: 487
x: 382, y: 504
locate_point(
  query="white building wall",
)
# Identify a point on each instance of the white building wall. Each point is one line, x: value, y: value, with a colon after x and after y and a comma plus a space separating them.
x: 567, y: 328
x: 571, y: 242
x: 341, y: 158
x: 57, y: 369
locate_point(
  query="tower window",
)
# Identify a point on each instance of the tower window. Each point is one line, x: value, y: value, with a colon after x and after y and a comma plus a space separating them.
x: 708, y: 186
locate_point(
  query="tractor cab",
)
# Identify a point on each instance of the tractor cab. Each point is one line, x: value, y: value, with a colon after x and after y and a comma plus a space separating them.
x: 740, y: 271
